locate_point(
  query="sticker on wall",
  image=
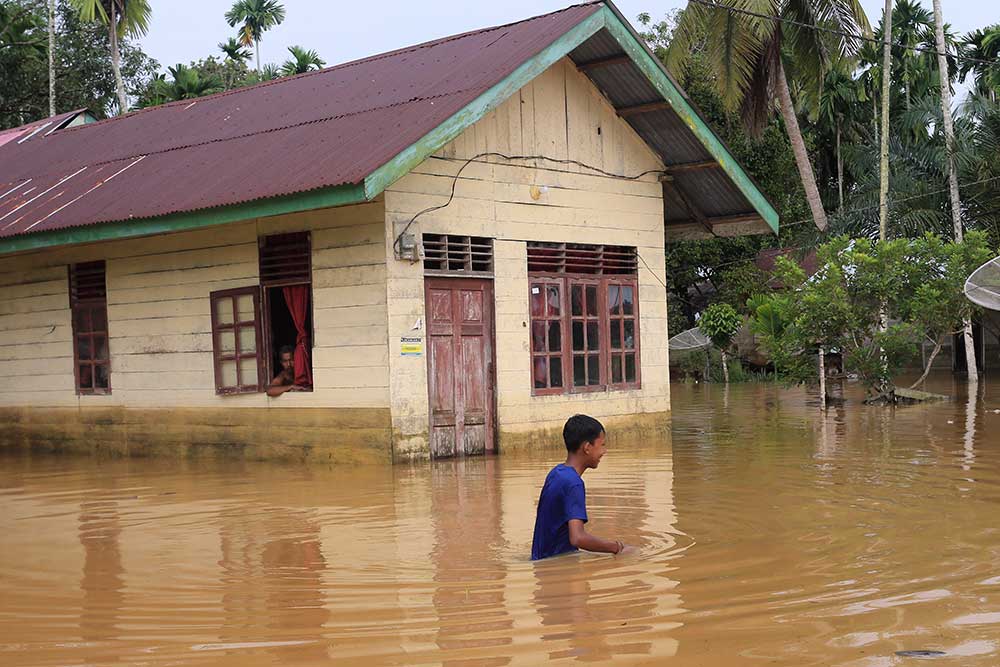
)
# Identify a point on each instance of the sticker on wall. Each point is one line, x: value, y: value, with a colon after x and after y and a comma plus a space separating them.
x: 411, y: 347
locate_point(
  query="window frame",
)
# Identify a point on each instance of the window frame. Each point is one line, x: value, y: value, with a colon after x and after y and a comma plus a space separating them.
x: 218, y: 357
x: 266, y: 284
x: 545, y: 282
x: 88, y: 305
x: 604, y: 317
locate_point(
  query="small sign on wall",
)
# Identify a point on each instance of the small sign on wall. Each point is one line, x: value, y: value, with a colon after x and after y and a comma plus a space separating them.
x: 411, y: 346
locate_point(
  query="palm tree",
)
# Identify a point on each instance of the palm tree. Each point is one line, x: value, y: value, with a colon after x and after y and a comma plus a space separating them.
x: 748, y: 54
x: 52, y: 57
x: 956, y: 204
x: 124, y: 18
x: 836, y: 110
x: 911, y: 26
x: 257, y: 17
x: 302, y: 61
x: 235, y: 51
x: 187, y: 83
x: 982, y: 50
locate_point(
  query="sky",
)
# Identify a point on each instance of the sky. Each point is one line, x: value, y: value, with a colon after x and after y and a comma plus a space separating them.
x: 185, y: 30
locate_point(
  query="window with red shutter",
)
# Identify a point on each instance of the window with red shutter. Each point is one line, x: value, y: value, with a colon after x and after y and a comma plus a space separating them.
x: 89, y: 304
x: 584, y: 317
x: 286, y: 286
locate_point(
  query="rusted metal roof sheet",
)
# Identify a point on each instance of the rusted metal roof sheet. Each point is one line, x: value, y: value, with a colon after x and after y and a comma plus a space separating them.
x: 316, y: 130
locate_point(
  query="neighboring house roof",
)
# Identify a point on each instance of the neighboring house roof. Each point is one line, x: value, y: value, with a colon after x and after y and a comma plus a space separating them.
x: 343, y: 134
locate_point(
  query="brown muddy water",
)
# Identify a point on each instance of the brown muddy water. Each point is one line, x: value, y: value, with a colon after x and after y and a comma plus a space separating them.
x: 768, y: 534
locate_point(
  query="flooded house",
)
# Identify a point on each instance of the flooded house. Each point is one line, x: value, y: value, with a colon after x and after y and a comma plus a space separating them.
x: 460, y: 243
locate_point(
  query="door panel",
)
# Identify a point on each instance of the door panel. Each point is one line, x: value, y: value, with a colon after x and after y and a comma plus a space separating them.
x: 460, y: 366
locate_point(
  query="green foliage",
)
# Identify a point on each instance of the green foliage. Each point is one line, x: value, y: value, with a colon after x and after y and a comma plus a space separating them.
x: 720, y: 322
x: 839, y: 308
x: 302, y: 61
x: 185, y: 83
x: 84, y: 79
x: 255, y: 17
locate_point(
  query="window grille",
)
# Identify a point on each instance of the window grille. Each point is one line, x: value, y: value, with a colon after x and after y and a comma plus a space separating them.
x: 450, y: 254
x: 285, y: 259
x: 583, y: 259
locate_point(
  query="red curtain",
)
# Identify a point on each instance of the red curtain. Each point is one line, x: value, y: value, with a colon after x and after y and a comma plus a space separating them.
x: 297, y: 300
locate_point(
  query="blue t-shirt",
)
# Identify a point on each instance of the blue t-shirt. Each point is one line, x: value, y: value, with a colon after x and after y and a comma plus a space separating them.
x: 563, y: 498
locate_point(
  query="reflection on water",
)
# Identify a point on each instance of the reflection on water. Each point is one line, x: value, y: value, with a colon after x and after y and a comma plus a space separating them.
x: 770, y: 533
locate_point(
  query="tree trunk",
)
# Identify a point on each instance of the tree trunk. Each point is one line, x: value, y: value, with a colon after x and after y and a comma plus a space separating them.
x: 256, y: 46
x: 725, y: 367
x: 956, y: 202
x: 883, y: 193
x: 822, y: 377
x: 930, y: 362
x: 840, y: 173
x: 116, y: 61
x: 52, y: 57
x: 799, y: 149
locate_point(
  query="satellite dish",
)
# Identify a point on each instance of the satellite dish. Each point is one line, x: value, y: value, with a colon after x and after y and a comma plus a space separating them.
x: 983, y: 286
x: 692, y: 339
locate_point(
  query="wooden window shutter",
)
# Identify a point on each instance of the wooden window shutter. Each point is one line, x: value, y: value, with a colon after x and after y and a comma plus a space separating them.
x: 285, y: 259
x: 88, y: 299
x: 236, y: 340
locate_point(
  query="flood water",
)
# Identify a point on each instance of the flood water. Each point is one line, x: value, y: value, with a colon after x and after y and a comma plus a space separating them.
x: 768, y: 534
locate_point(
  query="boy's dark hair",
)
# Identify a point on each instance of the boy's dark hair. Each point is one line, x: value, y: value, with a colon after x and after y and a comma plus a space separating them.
x: 290, y: 349
x: 580, y: 429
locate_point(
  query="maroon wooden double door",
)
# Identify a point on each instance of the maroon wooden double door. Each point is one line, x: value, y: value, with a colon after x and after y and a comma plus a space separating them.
x: 460, y: 373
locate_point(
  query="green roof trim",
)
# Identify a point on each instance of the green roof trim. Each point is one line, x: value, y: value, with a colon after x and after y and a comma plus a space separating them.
x: 376, y: 182
x: 651, y: 68
x: 434, y: 140
x: 337, y: 196
x: 657, y: 74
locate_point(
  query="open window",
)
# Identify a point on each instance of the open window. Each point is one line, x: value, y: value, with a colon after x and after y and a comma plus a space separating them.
x: 286, y: 286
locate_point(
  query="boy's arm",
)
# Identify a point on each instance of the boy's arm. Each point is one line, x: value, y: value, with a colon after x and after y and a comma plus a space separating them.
x: 581, y: 539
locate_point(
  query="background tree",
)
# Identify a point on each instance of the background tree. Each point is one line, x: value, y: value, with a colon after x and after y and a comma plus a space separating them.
x: 720, y: 322
x: 256, y: 17
x: 302, y: 61
x: 124, y: 18
x: 82, y: 62
x: 748, y: 53
x: 185, y: 83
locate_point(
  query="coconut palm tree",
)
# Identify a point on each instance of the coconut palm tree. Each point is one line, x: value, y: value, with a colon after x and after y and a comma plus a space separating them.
x: 256, y: 17
x: 124, y: 18
x: 748, y: 54
x: 302, y: 61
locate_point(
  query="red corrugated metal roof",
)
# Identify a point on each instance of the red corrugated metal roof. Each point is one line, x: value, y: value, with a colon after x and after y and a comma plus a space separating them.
x: 321, y: 129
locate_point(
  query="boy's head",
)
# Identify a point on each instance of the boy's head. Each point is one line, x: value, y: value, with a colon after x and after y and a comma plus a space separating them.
x: 584, y: 437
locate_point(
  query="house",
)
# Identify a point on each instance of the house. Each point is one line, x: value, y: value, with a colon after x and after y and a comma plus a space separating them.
x: 462, y: 240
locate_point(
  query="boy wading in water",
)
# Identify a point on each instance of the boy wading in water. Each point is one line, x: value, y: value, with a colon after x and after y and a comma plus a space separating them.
x: 562, y: 506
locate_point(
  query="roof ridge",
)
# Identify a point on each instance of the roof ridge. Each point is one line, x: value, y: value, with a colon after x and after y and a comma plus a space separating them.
x: 245, y: 135
x: 338, y: 67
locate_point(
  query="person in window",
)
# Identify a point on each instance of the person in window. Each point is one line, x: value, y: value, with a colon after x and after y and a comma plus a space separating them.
x: 285, y: 379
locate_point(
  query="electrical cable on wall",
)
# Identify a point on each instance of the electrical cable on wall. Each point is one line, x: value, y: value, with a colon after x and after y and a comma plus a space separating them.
x: 510, y: 158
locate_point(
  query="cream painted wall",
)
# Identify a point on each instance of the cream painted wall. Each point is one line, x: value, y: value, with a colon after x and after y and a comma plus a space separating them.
x: 560, y: 115
x: 160, y: 321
